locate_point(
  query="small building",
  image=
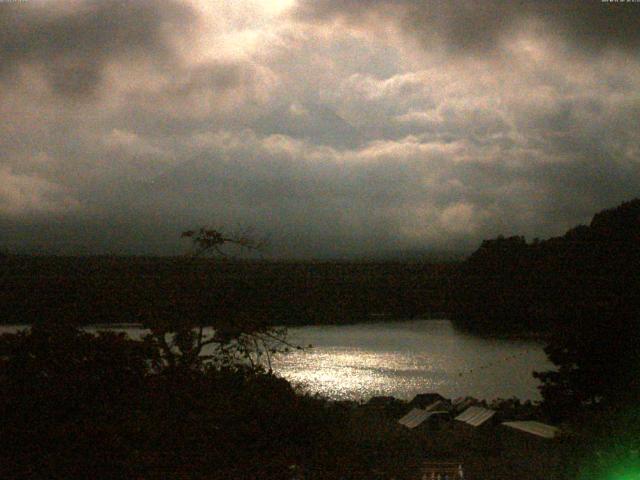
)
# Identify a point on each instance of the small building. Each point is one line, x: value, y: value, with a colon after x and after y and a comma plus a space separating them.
x: 422, y: 400
x: 418, y: 417
x: 449, y: 470
x: 475, y: 416
x: 460, y: 404
x: 475, y: 428
x: 414, y: 418
x: 440, y: 405
x: 537, y: 429
x: 530, y: 448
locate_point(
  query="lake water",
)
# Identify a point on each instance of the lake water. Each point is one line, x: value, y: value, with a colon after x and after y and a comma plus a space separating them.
x: 403, y: 358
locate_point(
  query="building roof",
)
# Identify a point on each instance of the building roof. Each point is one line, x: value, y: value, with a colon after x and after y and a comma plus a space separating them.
x: 475, y: 416
x: 534, y: 428
x: 423, y: 399
x: 462, y: 403
x: 416, y: 416
x: 438, y: 405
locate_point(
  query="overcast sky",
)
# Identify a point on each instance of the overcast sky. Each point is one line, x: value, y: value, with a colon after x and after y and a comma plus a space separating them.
x: 335, y: 128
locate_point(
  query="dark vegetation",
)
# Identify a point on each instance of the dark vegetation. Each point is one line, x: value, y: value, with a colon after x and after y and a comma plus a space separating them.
x: 104, y: 289
x: 76, y: 405
x: 582, y: 290
x: 511, y: 285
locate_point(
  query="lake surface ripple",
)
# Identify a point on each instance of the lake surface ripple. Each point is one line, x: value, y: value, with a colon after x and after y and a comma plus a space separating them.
x: 403, y: 358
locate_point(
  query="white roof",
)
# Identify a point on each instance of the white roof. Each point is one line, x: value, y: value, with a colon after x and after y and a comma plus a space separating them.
x: 475, y: 416
x: 461, y: 403
x: 416, y: 416
x: 534, y: 428
x: 435, y: 405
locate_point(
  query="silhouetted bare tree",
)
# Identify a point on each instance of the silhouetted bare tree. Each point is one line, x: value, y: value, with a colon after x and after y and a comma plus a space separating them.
x: 208, y: 241
x: 192, y: 342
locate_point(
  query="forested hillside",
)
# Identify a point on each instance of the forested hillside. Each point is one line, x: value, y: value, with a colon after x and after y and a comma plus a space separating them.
x: 511, y: 285
x: 140, y: 289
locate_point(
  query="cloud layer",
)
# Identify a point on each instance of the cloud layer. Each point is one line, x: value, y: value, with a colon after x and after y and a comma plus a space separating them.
x: 353, y: 128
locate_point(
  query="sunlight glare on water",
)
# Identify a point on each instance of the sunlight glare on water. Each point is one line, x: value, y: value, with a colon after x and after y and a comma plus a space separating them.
x: 353, y: 373
x: 404, y: 358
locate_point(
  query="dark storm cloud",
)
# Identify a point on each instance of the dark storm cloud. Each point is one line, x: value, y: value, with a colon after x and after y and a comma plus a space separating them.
x: 311, y: 126
x: 74, y: 41
x: 464, y: 26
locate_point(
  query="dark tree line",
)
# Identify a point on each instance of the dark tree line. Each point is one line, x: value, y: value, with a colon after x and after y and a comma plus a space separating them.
x: 509, y: 284
x: 125, y: 289
x: 582, y: 290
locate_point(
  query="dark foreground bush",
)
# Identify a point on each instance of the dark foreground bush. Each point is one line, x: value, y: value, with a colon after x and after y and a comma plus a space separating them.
x: 77, y: 405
